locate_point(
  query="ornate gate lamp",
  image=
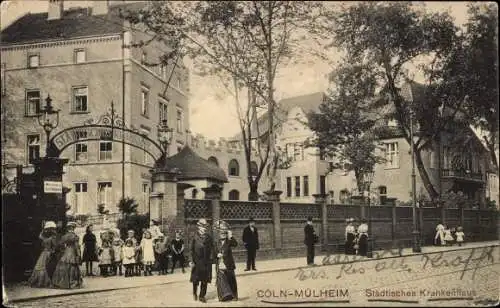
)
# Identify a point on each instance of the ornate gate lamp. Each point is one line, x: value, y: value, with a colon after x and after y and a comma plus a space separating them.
x: 48, y: 118
x: 368, y: 179
x: 165, y: 135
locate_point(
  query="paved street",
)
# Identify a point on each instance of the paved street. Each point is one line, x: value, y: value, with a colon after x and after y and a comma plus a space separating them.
x: 471, y: 273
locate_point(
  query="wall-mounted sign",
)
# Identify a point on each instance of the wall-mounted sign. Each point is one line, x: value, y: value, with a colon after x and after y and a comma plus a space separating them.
x: 52, y: 187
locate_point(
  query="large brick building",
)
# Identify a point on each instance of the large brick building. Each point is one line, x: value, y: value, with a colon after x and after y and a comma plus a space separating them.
x: 85, y: 59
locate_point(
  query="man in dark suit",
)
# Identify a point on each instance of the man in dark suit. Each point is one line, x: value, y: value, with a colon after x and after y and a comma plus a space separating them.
x: 310, y: 238
x: 251, y: 241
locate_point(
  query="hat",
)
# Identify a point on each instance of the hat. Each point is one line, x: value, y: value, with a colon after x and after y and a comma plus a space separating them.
x: 130, y: 231
x: 71, y: 224
x: 202, y: 223
x: 49, y: 224
x: 161, y: 235
x: 156, y: 222
x: 347, y: 220
x: 251, y: 219
x: 351, y: 219
x: 309, y: 218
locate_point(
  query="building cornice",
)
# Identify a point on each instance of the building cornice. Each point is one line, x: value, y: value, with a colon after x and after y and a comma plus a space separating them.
x: 66, y: 64
x: 61, y: 42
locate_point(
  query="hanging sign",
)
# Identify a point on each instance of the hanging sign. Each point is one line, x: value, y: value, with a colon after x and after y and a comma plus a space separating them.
x: 52, y: 187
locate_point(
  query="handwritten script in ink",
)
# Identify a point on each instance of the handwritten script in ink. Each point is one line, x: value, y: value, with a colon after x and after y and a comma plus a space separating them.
x: 393, y: 260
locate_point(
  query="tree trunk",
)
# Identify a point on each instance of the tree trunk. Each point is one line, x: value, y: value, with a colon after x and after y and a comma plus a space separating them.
x: 433, y: 193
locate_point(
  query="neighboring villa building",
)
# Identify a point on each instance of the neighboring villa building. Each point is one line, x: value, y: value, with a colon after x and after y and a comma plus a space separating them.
x: 309, y: 173
x: 84, y: 58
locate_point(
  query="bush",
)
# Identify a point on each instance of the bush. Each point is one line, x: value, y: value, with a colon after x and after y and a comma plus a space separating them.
x: 128, y: 206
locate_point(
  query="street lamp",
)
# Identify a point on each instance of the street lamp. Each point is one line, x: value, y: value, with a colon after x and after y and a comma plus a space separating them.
x: 165, y: 135
x: 47, y: 120
x: 368, y: 179
x: 416, y: 234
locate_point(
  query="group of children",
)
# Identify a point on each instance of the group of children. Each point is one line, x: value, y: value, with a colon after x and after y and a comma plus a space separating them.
x: 152, y: 252
x: 447, y: 236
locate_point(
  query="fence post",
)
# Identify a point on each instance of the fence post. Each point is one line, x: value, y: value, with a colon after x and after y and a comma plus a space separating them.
x: 214, y: 193
x: 274, y: 197
x: 394, y: 221
x: 321, y: 199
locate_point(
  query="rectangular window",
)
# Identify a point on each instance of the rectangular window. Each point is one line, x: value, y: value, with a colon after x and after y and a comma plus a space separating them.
x: 33, y: 148
x: 32, y: 102
x: 289, y: 151
x: 163, y: 108
x: 322, y: 184
x: 178, y: 82
x: 105, y: 150
x: 80, y: 190
x: 145, y: 195
x: 80, y: 99
x: 305, y: 183
x: 144, y: 101
x: 297, y: 186
x: 288, y: 186
x: 179, y: 121
x: 298, y: 152
x: 433, y: 159
x: 80, y: 56
x: 81, y: 153
x: 104, y: 194
x: 145, y: 155
x: 163, y: 71
x: 391, y: 155
x: 33, y: 61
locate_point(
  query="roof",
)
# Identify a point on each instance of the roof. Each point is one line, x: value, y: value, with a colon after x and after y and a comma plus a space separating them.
x: 307, y: 102
x: 75, y: 23
x: 192, y: 167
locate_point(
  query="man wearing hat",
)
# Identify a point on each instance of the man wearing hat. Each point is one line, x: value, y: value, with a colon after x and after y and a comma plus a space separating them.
x: 202, y: 255
x: 350, y: 235
x: 251, y: 242
x: 310, y: 239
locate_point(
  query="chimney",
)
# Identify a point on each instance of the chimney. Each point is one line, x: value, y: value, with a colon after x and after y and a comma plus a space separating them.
x: 100, y: 7
x: 56, y: 9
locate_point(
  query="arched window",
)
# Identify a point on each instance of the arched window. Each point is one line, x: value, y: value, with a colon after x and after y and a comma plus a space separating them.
x: 234, y: 195
x: 382, y: 193
x: 234, y: 168
x: 254, y: 169
x: 194, y: 193
x: 213, y: 160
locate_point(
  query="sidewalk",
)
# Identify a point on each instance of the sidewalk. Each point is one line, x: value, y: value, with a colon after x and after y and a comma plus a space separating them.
x: 22, y: 292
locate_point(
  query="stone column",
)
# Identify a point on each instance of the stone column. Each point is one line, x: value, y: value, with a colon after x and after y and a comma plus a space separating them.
x: 214, y: 193
x: 274, y: 197
x: 165, y: 182
x: 155, y: 204
x: 321, y: 199
x: 50, y: 193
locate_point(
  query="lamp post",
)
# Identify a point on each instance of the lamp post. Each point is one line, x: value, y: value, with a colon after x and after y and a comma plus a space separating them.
x: 416, y: 234
x: 368, y: 178
x: 48, y: 118
x: 165, y: 135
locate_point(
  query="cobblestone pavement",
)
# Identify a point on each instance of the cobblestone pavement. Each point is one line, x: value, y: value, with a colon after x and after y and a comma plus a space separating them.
x: 458, y: 278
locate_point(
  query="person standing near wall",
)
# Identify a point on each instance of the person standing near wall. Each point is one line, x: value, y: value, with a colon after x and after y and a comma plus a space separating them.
x: 350, y: 236
x: 363, y: 238
x: 202, y: 255
x: 310, y: 238
x: 251, y: 242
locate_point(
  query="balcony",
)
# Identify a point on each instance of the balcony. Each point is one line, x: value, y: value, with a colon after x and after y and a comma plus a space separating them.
x: 462, y: 174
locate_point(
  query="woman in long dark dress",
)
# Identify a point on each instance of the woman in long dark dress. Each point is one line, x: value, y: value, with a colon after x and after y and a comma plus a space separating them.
x: 202, y: 254
x: 227, y: 288
x: 67, y: 273
x: 89, y: 250
x: 40, y: 277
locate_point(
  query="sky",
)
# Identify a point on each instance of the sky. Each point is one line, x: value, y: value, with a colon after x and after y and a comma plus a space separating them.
x: 212, y: 109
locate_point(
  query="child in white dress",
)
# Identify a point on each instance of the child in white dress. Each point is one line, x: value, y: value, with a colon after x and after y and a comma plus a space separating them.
x: 447, y: 236
x: 148, y: 255
x: 460, y: 235
x: 129, y: 257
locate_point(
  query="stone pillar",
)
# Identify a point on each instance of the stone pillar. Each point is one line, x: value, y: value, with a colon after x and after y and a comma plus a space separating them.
x: 50, y: 193
x: 165, y: 182
x: 180, y: 222
x: 155, y: 204
x: 214, y: 193
x: 274, y: 197
x: 321, y: 199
